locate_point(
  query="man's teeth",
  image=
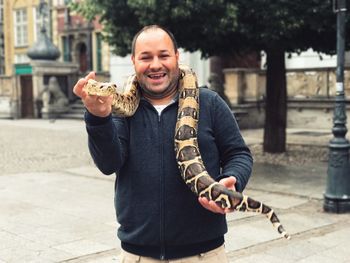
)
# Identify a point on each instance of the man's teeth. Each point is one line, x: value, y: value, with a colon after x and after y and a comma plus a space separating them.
x: 156, y: 76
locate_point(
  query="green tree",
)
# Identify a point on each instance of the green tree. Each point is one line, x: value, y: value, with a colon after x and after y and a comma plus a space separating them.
x: 223, y: 27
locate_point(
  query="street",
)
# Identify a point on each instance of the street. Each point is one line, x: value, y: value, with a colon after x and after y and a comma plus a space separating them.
x: 57, y: 207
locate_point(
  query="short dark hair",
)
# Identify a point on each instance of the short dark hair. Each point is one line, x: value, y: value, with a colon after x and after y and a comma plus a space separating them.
x: 153, y: 27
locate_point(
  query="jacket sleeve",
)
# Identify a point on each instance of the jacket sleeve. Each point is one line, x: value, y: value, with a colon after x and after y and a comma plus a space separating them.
x: 107, y: 140
x: 236, y: 159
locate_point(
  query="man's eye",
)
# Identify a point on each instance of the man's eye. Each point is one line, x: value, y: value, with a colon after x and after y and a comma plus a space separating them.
x: 145, y: 58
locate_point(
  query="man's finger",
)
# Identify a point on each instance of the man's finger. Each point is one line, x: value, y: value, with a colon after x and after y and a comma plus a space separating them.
x: 78, y: 88
x: 91, y: 75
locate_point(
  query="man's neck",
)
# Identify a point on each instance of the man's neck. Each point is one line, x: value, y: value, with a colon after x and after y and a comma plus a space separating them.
x: 161, y: 101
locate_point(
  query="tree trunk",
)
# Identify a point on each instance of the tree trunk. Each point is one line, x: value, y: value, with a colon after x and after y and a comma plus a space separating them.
x: 276, y: 102
x: 216, y: 65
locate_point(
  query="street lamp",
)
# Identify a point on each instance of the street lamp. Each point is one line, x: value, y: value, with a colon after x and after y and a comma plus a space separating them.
x: 337, y: 195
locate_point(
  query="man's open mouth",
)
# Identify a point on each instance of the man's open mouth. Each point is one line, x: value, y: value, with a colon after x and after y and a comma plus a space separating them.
x: 156, y: 76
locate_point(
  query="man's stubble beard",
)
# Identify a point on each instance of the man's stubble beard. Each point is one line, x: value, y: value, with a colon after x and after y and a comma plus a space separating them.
x: 173, y: 85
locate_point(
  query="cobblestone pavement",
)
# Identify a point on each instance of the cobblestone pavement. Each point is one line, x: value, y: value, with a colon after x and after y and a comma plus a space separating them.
x: 39, y: 145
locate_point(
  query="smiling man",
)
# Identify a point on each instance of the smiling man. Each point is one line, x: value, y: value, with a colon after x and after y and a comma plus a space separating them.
x: 160, y: 219
x: 155, y: 58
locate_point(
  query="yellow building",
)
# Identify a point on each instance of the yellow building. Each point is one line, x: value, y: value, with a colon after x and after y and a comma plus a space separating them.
x: 2, y: 61
x: 23, y: 79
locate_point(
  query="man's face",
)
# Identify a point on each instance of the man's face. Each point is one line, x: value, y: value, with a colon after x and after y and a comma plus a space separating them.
x: 155, y: 61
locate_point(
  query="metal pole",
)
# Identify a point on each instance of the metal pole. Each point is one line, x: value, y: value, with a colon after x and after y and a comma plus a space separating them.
x: 67, y: 27
x: 337, y: 195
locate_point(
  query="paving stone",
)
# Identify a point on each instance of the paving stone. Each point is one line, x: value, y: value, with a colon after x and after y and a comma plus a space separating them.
x: 320, y: 258
x: 309, y: 181
x: 340, y: 253
x: 30, y: 251
x: 297, y: 223
x: 8, y: 240
x: 103, y: 259
x: 333, y: 239
x: 261, y: 258
x: 246, y: 235
x: 82, y: 247
x: 111, y: 256
x: 294, y: 250
x: 56, y: 205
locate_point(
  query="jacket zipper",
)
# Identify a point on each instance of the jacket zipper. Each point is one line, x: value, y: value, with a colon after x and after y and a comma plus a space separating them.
x: 162, y: 246
x: 162, y: 184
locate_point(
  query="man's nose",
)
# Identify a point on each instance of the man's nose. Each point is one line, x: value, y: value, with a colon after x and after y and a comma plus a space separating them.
x: 155, y: 63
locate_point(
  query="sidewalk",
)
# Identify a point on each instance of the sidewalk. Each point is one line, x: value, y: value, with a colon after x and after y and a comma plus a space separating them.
x: 66, y: 213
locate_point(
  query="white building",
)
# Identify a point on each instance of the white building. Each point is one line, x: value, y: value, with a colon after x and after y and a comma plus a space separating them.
x: 310, y: 59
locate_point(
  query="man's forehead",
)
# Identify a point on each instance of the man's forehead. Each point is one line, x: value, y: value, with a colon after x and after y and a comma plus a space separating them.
x: 154, y: 35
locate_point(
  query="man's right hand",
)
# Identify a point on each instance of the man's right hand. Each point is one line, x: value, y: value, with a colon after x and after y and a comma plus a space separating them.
x: 100, y: 106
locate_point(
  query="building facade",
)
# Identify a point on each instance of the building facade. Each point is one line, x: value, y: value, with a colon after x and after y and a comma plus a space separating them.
x: 79, y: 41
x: 2, y: 53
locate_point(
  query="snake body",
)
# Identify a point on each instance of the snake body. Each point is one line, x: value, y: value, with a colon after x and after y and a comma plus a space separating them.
x: 187, y: 151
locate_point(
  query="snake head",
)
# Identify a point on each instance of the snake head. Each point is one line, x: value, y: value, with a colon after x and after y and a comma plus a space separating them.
x: 94, y: 87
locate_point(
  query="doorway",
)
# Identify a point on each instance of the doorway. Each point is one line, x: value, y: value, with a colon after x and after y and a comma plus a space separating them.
x: 27, y: 103
x: 82, y: 51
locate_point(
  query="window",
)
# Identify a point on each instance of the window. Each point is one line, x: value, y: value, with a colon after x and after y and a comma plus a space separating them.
x: 21, y: 37
x: 37, y: 22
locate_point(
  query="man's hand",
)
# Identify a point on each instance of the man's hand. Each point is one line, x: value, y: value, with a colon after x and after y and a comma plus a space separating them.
x: 100, y: 106
x: 229, y: 182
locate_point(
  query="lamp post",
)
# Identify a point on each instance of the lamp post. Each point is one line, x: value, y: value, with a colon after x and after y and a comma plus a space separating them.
x: 337, y: 195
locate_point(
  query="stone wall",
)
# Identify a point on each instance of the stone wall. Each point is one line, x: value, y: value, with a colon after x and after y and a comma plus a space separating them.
x: 310, y: 96
x: 315, y: 82
x: 6, y: 84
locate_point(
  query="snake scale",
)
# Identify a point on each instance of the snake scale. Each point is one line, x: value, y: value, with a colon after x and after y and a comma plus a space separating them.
x: 187, y: 151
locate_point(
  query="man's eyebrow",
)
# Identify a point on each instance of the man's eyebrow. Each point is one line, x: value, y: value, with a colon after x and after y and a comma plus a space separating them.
x: 145, y: 53
x: 149, y: 52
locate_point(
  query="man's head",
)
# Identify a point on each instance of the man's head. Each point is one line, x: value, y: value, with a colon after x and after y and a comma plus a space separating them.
x: 155, y: 58
x: 153, y: 27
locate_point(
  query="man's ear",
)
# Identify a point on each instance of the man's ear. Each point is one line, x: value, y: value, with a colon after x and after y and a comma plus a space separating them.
x: 133, y: 59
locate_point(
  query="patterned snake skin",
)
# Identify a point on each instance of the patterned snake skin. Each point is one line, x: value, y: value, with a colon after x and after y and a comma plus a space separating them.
x: 187, y: 152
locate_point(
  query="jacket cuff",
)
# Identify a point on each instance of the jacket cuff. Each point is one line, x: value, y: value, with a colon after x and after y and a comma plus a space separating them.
x: 93, y: 120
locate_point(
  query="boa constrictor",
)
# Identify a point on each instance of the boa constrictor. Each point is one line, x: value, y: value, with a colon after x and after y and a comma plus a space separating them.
x: 187, y: 151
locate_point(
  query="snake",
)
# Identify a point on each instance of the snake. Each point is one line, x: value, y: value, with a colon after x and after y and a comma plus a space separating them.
x: 188, y: 156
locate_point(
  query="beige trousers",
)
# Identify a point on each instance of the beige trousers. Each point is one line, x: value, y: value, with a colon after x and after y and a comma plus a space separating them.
x: 217, y: 255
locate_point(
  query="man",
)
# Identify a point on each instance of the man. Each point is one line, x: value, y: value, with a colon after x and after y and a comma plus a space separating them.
x: 160, y: 218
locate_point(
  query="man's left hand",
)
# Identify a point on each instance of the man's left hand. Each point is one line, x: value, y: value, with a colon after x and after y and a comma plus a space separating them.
x: 228, y: 182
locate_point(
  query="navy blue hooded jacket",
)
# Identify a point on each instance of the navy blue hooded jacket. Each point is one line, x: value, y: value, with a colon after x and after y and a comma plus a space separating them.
x: 158, y: 214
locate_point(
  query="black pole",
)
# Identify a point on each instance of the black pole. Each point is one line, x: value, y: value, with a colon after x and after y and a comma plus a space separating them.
x: 337, y: 195
x: 67, y: 38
